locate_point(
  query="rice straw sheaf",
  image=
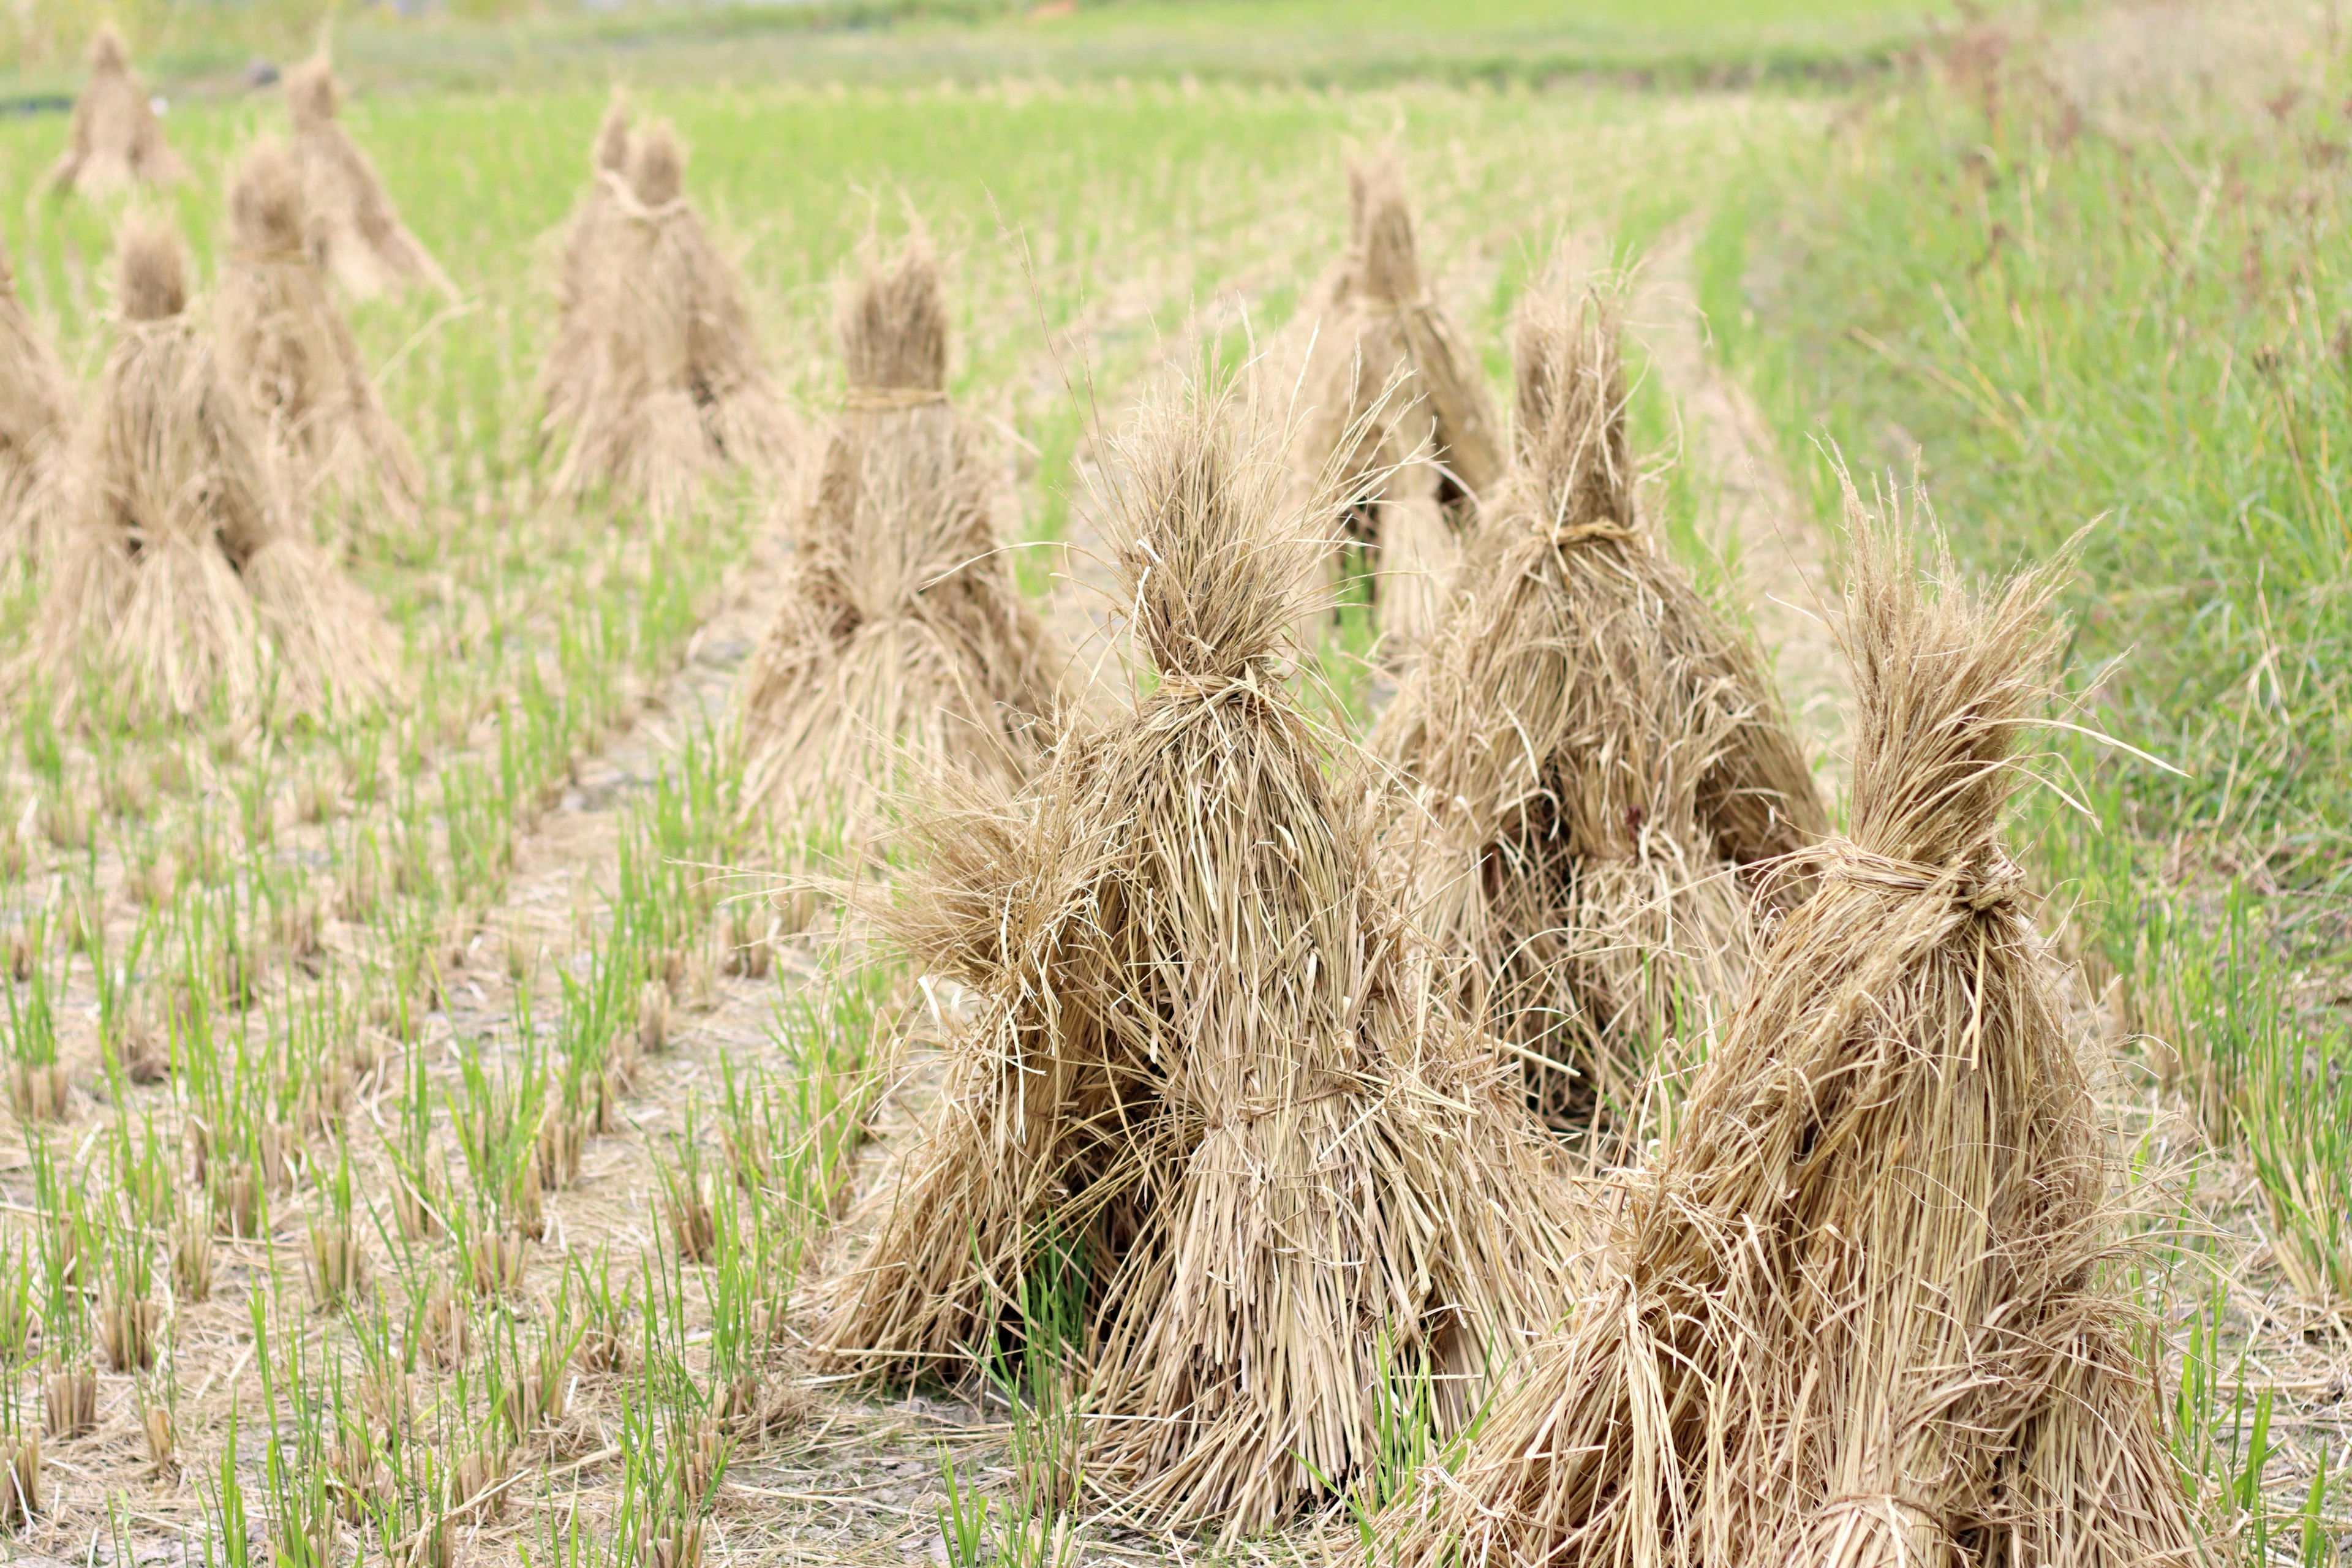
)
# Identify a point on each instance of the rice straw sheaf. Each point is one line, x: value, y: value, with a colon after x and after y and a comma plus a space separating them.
x: 117, y: 141
x: 287, y: 344
x: 1596, y: 755
x: 1854, y: 1313
x: 185, y: 583
x: 563, y: 378
x: 35, y: 424
x: 351, y: 226
x: 1199, y: 1056
x: 671, y: 386
x: 903, y: 641
x: 1399, y: 406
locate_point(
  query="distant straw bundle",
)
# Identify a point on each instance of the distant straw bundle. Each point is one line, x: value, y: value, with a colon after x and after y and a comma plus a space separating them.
x: 1398, y: 407
x: 352, y: 227
x: 185, y: 582
x: 671, y: 386
x: 117, y: 141
x: 36, y: 415
x: 1853, y: 1315
x: 903, y: 640
x: 571, y: 358
x: 288, y: 345
x: 1201, y: 1061
x: 1596, y: 753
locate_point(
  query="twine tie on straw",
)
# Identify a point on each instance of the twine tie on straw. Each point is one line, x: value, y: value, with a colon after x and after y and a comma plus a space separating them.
x: 882, y: 399
x: 1981, y: 884
x: 1592, y: 533
x: 280, y: 257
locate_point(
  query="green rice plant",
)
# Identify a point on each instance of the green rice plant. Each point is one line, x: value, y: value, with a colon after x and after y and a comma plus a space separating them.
x: 227, y: 1538
x: 685, y: 1203
x: 333, y: 1260
x: 19, y: 1262
x: 963, y: 1518
x: 2295, y: 1109
x: 36, y: 1080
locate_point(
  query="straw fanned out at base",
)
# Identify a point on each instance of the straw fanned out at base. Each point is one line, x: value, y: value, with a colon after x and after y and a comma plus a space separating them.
x: 117, y: 141
x: 1596, y: 756
x: 36, y: 431
x: 1399, y: 411
x: 1203, y: 1058
x: 1854, y: 1314
x: 288, y: 345
x: 184, y: 583
x: 664, y: 384
x: 903, y: 641
x: 352, y: 228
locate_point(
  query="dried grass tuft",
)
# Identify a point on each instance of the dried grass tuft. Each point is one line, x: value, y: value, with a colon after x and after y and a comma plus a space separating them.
x: 903, y: 641
x: 35, y: 429
x: 288, y: 345
x: 1200, y: 1066
x: 351, y: 228
x: 1598, y: 760
x: 1855, y: 1314
x: 1398, y: 408
x: 655, y: 379
x: 117, y: 141
x: 184, y: 581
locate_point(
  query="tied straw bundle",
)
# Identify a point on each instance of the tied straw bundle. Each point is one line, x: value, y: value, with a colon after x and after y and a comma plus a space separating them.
x: 35, y: 419
x: 668, y: 386
x: 117, y: 141
x: 903, y: 641
x: 353, y: 227
x: 1399, y: 410
x: 571, y: 358
x: 185, y: 583
x: 1596, y: 756
x: 1201, y: 1061
x: 1853, y: 1315
x: 288, y: 345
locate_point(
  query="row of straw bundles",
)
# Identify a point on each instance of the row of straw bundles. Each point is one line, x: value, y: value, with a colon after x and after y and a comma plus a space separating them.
x: 902, y: 641
x: 1854, y: 1313
x: 1600, y: 766
x: 1397, y: 410
x: 1203, y: 1058
x: 654, y: 380
x: 185, y: 578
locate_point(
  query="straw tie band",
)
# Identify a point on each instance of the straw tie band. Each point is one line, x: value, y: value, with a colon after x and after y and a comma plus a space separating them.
x: 282, y: 257
x: 1979, y: 887
x: 1592, y: 533
x: 882, y: 399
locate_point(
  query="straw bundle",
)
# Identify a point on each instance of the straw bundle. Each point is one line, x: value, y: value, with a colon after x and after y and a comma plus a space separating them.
x: 35, y: 414
x: 903, y: 640
x: 1200, y: 1060
x: 571, y: 356
x: 288, y: 345
x: 1596, y: 754
x: 1398, y: 408
x: 117, y: 141
x: 1853, y: 1315
x: 184, y: 582
x: 671, y: 385
x: 352, y: 227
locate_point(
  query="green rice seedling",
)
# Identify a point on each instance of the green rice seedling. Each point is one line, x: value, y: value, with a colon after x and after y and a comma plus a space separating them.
x: 159, y: 1423
x: 20, y: 1463
x: 190, y: 1238
x: 37, y: 1081
x: 129, y: 1041
x: 829, y: 1086
x: 497, y: 1120
x: 963, y: 1518
x: 18, y: 1263
x: 607, y: 1315
x: 296, y: 1465
x: 227, y: 1539
x: 333, y: 1259
x: 2296, y: 1111
x: 129, y: 1317
x: 686, y: 1209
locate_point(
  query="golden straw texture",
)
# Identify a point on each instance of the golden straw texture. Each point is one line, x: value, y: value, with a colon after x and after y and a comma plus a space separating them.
x: 349, y: 224
x: 116, y: 142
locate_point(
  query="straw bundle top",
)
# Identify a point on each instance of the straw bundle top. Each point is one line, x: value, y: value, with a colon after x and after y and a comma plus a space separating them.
x: 265, y: 206
x: 152, y: 282
x: 894, y: 332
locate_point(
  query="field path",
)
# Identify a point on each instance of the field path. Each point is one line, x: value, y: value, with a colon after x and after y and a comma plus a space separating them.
x: 1749, y: 512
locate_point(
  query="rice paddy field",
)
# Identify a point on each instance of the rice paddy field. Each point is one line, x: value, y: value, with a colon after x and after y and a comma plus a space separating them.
x: 425, y: 1123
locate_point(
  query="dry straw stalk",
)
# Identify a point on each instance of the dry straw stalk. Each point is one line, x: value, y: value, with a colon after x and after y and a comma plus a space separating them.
x: 288, y: 345
x: 656, y: 381
x: 351, y: 226
x: 117, y: 141
x: 903, y: 642
x: 1854, y: 1313
x: 1597, y: 757
x: 1201, y: 1060
x: 185, y: 582
x: 1398, y: 409
x: 36, y: 431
